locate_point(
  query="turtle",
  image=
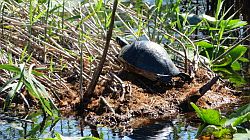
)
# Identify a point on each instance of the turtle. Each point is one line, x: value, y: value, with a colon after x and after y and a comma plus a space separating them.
x: 150, y: 60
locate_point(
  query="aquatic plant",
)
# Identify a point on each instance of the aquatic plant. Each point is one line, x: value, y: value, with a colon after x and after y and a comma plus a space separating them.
x: 219, y: 126
x: 23, y: 81
x: 223, y: 48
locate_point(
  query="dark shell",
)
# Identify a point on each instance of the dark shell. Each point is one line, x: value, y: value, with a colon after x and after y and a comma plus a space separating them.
x: 148, y: 56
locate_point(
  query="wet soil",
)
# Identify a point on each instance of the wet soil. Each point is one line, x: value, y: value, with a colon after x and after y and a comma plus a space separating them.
x: 138, y: 101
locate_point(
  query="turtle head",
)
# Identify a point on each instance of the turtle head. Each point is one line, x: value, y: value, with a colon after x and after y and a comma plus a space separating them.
x: 122, y: 42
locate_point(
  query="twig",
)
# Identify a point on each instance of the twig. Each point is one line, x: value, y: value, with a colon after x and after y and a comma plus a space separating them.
x: 196, y: 51
x: 183, y: 46
x: 8, y: 118
x: 122, y: 85
x: 103, y: 100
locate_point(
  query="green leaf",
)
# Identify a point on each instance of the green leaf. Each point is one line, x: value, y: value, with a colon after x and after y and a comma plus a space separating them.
x: 229, y: 73
x: 209, y: 116
x: 222, y: 29
x: 197, y: 110
x: 204, y: 44
x: 237, y: 52
x: 235, y: 23
x: 91, y: 58
x: 39, y: 15
x: 90, y: 138
x: 222, y: 69
x: 218, y: 8
x: 237, y: 80
x: 99, y: 5
x: 238, y: 120
x: 55, y: 8
x: 212, y: 116
x: 10, y: 59
x: 243, y: 59
x: 224, y: 61
x: 240, y: 111
x: 241, y: 119
x: 216, y: 131
x: 37, y: 90
x: 42, y: 1
x: 213, y: 29
x: 159, y: 4
x: 36, y: 73
x: 209, y: 18
x: 15, y: 88
x: 73, y: 18
x: 58, y: 136
x: 236, y: 66
x: 8, y: 27
x: 11, y: 68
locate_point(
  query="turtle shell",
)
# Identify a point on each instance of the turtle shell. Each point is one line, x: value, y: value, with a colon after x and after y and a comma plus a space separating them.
x: 148, y: 57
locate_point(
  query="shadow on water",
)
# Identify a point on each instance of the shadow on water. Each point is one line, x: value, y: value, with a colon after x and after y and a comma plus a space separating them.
x: 72, y: 127
x: 179, y: 128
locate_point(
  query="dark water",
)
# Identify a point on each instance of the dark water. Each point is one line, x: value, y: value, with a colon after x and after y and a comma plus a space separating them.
x: 71, y: 127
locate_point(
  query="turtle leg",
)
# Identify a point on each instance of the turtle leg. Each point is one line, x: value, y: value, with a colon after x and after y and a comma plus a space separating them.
x: 185, y: 77
x: 166, y: 79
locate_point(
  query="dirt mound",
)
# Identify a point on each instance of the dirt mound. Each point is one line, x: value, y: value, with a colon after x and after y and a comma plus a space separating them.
x: 137, y: 100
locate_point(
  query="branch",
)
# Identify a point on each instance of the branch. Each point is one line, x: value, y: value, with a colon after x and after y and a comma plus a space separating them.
x: 97, y: 72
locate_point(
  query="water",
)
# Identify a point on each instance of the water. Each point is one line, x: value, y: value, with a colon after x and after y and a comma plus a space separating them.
x: 71, y: 127
x: 169, y: 130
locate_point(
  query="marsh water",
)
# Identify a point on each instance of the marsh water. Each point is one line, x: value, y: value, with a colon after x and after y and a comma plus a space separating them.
x: 178, y: 128
x: 182, y: 126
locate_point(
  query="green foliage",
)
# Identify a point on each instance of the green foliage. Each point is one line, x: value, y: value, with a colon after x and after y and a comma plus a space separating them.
x: 222, y: 55
x: 219, y: 126
x: 241, y: 111
x: 24, y: 80
x: 216, y: 131
x: 209, y: 116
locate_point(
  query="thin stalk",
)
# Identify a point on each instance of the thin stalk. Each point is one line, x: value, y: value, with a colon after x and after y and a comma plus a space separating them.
x: 97, y: 72
x: 30, y: 23
x: 45, y: 31
x: 81, y: 58
x: 2, y: 22
x: 63, y: 10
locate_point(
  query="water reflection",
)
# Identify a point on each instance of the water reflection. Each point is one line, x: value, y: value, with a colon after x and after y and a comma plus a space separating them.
x: 169, y: 130
x: 73, y: 128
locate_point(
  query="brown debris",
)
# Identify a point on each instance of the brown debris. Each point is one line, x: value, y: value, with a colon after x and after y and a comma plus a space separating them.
x: 151, y: 100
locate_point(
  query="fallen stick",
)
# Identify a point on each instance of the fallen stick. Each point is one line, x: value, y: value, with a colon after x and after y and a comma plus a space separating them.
x: 8, y: 118
x: 103, y: 100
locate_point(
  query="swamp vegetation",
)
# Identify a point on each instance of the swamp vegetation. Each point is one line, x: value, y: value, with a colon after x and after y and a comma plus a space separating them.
x: 59, y: 58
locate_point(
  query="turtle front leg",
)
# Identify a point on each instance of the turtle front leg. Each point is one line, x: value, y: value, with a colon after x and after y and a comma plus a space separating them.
x: 166, y: 79
x: 185, y: 77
